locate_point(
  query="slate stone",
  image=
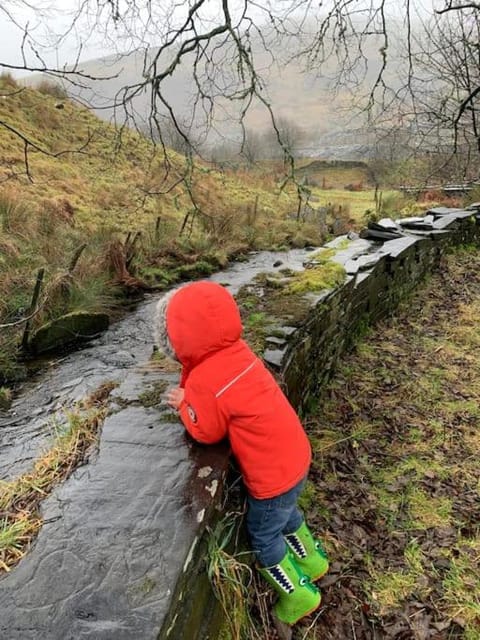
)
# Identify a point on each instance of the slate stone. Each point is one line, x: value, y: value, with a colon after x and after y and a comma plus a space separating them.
x: 445, y: 222
x: 69, y: 329
x: 286, y: 330
x: 377, y: 234
x: 355, y: 248
x: 377, y: 227
x: 412, y: 219
x: 274, y: 340
x: 107, y: 558
x: 274, y: 357
x: 351, y: 267
x: 389, y: 224
x: 395, y: 248
x: 425, y: 223
x: 444, y: 211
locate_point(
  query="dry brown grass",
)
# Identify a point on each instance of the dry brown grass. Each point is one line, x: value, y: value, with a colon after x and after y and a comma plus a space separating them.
x: 20, y: 499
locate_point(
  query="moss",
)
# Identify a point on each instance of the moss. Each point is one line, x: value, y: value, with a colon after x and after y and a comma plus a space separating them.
x: 5, y: 398
x: 461, y: 585
x: 153, y: 396
x: 170, y: 416
x: 256, y: 327
x: 344, y: 244
x: 323, y: 255
x: 427, y: 511
x: 195, y: 270
x: 308, y: 496
x: 325, y: 276
x: 391, y: 588
x: 157, y: 275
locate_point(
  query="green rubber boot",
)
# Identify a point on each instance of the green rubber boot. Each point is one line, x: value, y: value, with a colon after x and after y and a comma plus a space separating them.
x: 308, y: 552
x: 297, y: 596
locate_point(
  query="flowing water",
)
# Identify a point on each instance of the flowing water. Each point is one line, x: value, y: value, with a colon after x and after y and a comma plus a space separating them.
x: 28, y: 426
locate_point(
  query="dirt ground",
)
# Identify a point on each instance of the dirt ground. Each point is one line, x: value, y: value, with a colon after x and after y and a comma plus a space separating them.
x: 395, y: 485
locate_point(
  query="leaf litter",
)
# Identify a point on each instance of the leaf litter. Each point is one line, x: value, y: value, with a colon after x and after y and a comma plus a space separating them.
x: 394, y: 488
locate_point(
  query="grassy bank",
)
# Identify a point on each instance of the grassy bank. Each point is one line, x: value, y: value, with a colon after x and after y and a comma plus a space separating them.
x: 395, y: 482
x: 106, y: 213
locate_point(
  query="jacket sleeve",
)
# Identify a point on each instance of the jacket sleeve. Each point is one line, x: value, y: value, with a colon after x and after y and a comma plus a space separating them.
x: 200, y: 414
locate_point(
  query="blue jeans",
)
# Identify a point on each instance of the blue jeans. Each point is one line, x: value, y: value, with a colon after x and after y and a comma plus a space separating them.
x: 269, y: 520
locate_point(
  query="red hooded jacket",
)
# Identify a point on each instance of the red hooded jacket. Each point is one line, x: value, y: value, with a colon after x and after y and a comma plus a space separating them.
x: 230, y: 393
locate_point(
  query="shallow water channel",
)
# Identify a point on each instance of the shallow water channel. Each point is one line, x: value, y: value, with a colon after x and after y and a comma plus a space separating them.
x: 28, y: 426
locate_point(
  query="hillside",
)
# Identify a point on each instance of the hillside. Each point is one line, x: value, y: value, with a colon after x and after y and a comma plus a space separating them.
x: 307, y: 97
x: 102, y: 211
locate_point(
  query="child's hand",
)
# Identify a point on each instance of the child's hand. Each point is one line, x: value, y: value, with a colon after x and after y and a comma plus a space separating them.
x: 175, y: 397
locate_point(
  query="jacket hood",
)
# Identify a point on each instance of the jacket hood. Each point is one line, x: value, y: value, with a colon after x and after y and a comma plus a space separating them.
x: 201, y: 318
x: 160, y: 325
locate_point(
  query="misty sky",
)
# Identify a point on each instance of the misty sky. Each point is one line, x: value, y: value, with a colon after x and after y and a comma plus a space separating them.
x: 49, y: 18
x: 54, y: 17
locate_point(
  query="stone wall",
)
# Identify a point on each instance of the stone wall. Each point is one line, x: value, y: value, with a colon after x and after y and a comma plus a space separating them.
x: 379, y: 275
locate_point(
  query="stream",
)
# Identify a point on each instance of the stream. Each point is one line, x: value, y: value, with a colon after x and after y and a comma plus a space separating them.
x: 28, y: 426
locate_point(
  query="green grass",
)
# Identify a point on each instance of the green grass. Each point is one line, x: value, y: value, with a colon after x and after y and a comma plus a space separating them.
x: 5, y: 398
x: 231, y: 576
x: 355, y: 202
x: 396, y: 441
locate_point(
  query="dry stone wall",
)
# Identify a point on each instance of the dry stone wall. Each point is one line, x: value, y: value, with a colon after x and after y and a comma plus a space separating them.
x: 379, y: 275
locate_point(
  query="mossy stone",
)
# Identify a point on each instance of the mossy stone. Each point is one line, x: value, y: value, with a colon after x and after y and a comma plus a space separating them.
x: 69, y: 329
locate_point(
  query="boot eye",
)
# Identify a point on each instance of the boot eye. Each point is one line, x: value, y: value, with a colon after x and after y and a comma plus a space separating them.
x: 303, y: 582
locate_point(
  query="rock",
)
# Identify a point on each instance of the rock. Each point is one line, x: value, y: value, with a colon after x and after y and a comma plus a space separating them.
x: 67, y: 330
x: 273, y: 357
x: 278, y: 263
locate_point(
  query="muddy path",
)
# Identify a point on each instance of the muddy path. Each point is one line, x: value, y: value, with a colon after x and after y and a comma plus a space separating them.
x: 394, y: 487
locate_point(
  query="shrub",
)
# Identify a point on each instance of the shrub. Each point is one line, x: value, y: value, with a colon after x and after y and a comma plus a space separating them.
x: 7, y: 80
x: 51, y: 88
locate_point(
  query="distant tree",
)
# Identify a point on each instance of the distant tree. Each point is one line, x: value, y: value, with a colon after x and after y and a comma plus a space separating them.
x: 449, y: 99
x: 253, y: 146
x: 284, y: 140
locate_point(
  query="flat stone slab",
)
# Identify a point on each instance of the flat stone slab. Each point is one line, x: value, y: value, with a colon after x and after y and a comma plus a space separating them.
x: 394, y: 248
x: 106, y: 561
x: 450, y: 220
x: 444, y: 211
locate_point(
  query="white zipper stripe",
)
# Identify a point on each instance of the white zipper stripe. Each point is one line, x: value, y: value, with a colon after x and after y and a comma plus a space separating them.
x: 232, y: 382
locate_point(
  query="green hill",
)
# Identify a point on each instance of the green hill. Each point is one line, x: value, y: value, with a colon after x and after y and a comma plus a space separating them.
x: 102, y: 212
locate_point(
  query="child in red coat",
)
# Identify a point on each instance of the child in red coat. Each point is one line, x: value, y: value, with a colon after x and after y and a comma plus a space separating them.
x: 226, y: 392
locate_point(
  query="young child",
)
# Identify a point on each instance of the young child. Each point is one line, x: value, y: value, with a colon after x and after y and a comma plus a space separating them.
x: 226, y: 392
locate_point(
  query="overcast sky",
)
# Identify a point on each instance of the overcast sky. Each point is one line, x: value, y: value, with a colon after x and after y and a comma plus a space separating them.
x: 51, y: 17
